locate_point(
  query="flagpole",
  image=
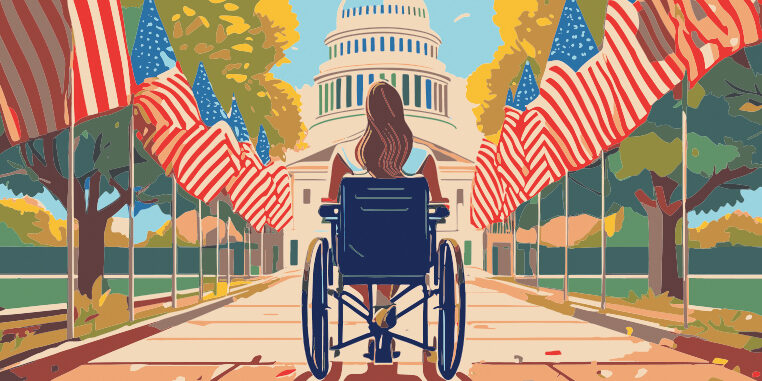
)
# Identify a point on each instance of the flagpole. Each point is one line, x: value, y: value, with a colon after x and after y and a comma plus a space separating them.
x: 539, y: 222
x: 603, y: 229
x: 174, y: 242
x: 227, y: 239
x: 200, y: 255
x: 685, y: 196
x: 245, y: 256
x: 566, y: 237
x: 131, y: 233
x: 262, y: 251
x: 70, y: 212
x: 217, y: 246
x: 513, y: 246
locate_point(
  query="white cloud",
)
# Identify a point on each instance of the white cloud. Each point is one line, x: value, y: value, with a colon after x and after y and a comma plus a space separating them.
x: 462, y: 16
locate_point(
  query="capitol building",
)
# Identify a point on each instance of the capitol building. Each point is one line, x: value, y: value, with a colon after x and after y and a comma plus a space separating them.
x: 392, y: 41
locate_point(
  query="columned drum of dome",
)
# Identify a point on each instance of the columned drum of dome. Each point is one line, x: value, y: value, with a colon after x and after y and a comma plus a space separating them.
x: 392, y: 41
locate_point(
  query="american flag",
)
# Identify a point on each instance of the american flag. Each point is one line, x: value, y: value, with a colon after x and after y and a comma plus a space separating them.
x: 167, y: 105
x: 36, y: 60
x: 590, y: 101
x: 486, y: 192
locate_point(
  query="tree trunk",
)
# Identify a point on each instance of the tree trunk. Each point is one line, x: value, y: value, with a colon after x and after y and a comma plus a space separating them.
x: 91, y: 253
x: 662, y: 253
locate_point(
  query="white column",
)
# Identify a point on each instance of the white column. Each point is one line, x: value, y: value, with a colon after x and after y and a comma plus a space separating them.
x: 70, y: 222
x: 174, y: 242
x: 131, y: 227
x: 603, y: 229
x: 566, y: 237
x: 685, y: 197
x: 200, y: 233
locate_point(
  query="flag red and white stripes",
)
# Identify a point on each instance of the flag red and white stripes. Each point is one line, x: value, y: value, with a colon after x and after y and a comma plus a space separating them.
x: 37, y: 60
x: 167, y: 105
x: 208, y: 159
x: 102, y: 74
x: 35, y: 37
x: 486, y: 191
x: 249, y: 193
x: 647, y: 49
x: 279, y: 211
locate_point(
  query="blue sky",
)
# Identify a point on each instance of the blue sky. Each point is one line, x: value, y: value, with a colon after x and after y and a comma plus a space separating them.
x: 467, y: 43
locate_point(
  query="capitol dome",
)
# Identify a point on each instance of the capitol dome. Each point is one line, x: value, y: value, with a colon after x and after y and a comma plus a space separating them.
x: 351, y: 11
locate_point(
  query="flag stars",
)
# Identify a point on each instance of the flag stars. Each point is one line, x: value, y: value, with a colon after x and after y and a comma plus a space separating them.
x: 576, y: 37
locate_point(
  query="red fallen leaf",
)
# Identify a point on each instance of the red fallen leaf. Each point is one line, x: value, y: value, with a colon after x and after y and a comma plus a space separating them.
x: 755, y: 374
x: 553, y: 353
x: 285, y: 373
x: 91, y: 317
x: 22, y: 331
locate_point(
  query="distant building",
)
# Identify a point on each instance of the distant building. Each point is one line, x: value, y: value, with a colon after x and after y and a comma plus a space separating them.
x: 387, y: 40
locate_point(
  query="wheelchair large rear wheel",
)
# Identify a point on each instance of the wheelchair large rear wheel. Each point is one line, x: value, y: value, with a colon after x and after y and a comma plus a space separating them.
x: 315, y: 308
x: 452, y: 308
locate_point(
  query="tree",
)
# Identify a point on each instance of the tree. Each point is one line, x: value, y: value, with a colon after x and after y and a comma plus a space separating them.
x: 714, y: 161
x: 239, y: 42
x: 100, y: 166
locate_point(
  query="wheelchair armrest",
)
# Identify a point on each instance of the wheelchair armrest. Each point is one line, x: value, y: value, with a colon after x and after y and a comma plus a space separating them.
x: 329, y: 211
x: 438, y: 212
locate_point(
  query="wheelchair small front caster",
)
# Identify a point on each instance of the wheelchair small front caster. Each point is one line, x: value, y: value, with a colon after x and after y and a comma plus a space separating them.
x: 371, y: 355
x: 336, y: 352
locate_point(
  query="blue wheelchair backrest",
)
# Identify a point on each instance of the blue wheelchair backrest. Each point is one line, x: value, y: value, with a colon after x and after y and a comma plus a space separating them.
x: 383, y: 227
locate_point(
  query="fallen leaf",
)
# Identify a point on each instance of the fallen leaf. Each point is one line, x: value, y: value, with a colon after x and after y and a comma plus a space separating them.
x: 553, y: 353
x: 641, y: 372
x: 285, y: 373
x: 719, y: 361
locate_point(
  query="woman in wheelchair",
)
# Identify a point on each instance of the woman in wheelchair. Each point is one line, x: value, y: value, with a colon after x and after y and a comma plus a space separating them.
x: 383, y: 233
x: 386, y: 150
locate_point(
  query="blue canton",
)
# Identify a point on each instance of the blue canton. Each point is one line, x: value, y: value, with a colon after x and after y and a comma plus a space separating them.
x: 152, y: 53
x: 237, y: 124
x: 208, y: 104
x: 527, y: 90
x: 573, y: 43
x: 263, y: 146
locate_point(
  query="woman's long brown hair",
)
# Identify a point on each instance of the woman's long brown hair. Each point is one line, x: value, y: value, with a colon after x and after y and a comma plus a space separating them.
x: 387, y: 142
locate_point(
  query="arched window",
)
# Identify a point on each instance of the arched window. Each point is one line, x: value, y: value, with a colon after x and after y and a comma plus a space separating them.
x: 426, y: 49
x: 360, y: 94
x: 418, y: 47
x: 401, y: 45
x: 428, y: 94
x: 374, y: 9
x: 409, y: 45
x: 330, y: 53
x: 360, y: 11
x: 320, y: 99
x: 349, y: 90
x: 391, y: 44
x: 417, y: 91
x: 364, y: 45
x: 394, y: 79
x: 382, y: 9
x: 424, y: 13
x: 341, y: 48
x: 332, y: 96
x: 406, y: 89
x: 381, y: 44
x: 367, y: 9
x: 354, y: 11
x: 338, y: 93
x: 356, y: 46
x: 415, y: 12
x: 370, y: 78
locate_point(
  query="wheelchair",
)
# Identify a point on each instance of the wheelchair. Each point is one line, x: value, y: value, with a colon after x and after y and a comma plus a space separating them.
x: 383, y: 232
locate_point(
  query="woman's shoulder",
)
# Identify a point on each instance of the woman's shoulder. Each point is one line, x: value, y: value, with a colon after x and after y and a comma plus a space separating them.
x: 418, y: 155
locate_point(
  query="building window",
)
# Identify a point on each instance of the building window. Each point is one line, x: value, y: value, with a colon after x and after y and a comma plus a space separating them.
x: 459, y: 197
x: 394, y: 79
x: 354, y: 11
x: 357, y: 46
x: 294, y: 252
x: 445, y: 99
x: 417, y: 91
x: 338, y: 93
x: 426, y: 49
x: 424, y: 13
x: 391, y: 44
x: 372, y: 44
x: 332, y: 96
x: 320, y: 100
x: 359, y: 89
x: 382, y: 76
x: 381, y: 44
x: 360, y: 12
x: 415, y: 12
x: 409, y: 45
x: 341, y: 48
x: 325, y: 98
x: 418, y: 47
x: 390, y: 8
x: 306, y: 197
x: 434, y: 96
x: 374, y: 9
x: 330, y: 53
x: 349, y: 91
x: 364, y: 45
x: 406, y: 89
x: 428, y: 94
x: 334, y: 50
x: 382, y: 9
x: 408, y: 9
x: 367, y: 9
x: 401, y: 45
x: 467, y: 253
x: 370, y: 78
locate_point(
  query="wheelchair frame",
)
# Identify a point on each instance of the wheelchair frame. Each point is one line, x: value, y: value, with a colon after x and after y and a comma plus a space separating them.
x: 446, y: 262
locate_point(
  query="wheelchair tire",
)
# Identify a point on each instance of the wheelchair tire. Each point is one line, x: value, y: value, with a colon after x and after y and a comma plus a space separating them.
x: 452, y: 308
x: 315, y: 308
